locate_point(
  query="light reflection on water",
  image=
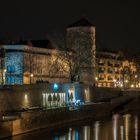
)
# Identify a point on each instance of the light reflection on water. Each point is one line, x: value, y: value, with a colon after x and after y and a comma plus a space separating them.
x: 119, y: 127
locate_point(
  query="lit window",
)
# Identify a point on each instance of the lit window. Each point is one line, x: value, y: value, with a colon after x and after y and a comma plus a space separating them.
x: 8, y: 80
x: 12, y: 80
x: 10, y: 69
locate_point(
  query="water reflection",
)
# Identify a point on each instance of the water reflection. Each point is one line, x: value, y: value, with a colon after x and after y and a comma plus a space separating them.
x: 122, y: 132
x: 119, y: 127
x: 115, y: 126
x: 136, y: 127
x: 127, y: 125
x: 96, y: 130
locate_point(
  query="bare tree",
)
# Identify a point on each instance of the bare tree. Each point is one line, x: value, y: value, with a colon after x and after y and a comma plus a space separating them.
x: 72, y: 62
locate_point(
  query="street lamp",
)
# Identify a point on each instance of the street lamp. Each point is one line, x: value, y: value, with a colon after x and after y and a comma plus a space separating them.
x: 96, y: 78
x: 126, y: 81
x: 132, y: 86
x: 31, y: 76
x: 114, y: 82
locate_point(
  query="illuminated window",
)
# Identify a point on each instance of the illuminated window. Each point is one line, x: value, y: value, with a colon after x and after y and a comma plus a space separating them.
x: 101, y: 62
x: 10, y: 69
x: 10, y: 80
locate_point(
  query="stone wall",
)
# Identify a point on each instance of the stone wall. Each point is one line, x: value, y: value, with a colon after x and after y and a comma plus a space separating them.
x: 34, y: 120
x: 102, y: 93
x: 45, y: 67
x: 82, y: 41
x: 27, y: 96
x: 132, y: 92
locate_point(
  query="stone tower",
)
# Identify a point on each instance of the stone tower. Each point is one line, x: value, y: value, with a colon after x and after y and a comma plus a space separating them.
x: 80, y: 37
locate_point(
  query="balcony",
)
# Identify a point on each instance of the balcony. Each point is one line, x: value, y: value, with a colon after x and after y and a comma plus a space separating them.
x: 117, y: 65
x: 110, y: 64
x: 110, y: 78
x: 101, y: 71
x: 109, y: 71
x: 101, y: 78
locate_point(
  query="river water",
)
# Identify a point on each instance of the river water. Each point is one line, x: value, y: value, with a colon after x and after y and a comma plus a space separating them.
x: 124, y: 126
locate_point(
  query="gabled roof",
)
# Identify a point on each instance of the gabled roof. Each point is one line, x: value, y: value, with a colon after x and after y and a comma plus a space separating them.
x: 82, y: 22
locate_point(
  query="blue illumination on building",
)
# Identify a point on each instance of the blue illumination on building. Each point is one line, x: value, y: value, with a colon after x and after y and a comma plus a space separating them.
x: 55, y: 86
x: 14, y: 68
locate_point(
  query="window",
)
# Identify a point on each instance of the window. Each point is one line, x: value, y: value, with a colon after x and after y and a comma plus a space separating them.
x: 10, y: 69
x: 110, y: 70
x: 101, y: 62
x: 10, y: 80
x: 110, y: 78
x: 101, y: 70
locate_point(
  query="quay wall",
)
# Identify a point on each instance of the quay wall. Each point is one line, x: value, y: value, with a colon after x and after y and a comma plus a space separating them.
x: 39, y: 119
x: 26, y: 96
x: 132, y: 92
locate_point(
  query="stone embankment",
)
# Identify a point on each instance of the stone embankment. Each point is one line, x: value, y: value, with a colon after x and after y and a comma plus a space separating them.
x: 38, y: 119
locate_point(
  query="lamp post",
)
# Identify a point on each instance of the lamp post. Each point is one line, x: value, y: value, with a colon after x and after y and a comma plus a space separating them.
x: 2, y: 52
x: 96, y: 81
x: 31, y: 76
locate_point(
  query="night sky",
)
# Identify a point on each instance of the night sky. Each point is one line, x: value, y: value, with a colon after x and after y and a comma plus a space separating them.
x: 118, y: 24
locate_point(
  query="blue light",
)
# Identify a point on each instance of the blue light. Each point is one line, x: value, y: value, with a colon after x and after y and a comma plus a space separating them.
x: 55, y: 86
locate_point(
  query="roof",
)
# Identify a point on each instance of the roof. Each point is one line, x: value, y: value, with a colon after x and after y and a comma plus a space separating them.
x: 82, y: 22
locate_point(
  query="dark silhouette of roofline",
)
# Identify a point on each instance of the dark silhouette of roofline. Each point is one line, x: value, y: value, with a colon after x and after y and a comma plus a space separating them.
x: 46, y: 44
x: 83, y: 22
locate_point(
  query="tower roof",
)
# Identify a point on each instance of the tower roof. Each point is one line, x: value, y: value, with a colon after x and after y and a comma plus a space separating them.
x: 82, y: 22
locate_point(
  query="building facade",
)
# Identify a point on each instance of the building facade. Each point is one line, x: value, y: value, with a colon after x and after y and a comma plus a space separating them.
x: 113, y: 70
x: 28, y: 64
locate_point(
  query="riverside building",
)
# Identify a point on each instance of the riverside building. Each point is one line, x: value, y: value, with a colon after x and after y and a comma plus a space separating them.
x: 31, y: 62
x: 113, y: 70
